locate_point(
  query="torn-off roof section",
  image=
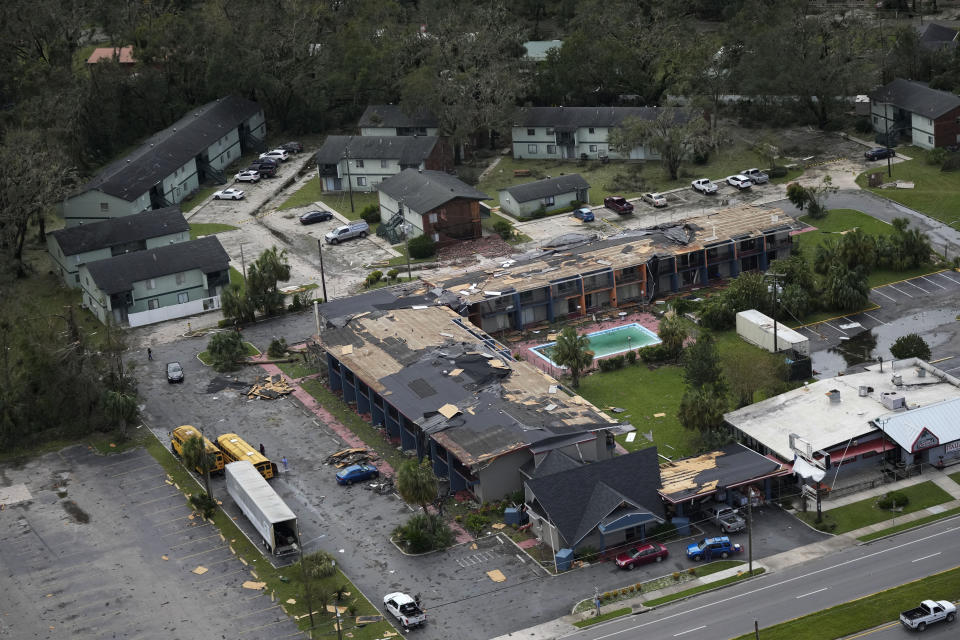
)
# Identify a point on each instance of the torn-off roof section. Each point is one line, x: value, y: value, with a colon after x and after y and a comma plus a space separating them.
x: 732, y: 466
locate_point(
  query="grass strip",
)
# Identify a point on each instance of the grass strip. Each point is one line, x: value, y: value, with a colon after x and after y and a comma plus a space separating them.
x: 703, y: 587
x: 955, y: 477
x: 865, y: 512
x: 198, y: 229
x: 867, y: 612
x: 286, y: 583
x: 909, y: 525
x: 204, y: 356
x: 616, y: 613
x: 719, y: 565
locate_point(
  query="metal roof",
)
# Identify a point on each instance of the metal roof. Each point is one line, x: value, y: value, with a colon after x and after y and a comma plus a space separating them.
x: 109, y: 233
x: 547, y: 187
x: 422, y: 191
x: 941, y: 419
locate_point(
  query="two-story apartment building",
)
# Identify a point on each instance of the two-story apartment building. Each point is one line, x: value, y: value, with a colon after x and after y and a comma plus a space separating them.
x: 550, y: 194
x: 152, y: 285
x: 171, y: 164
x: 73, y: 246
x: 622, y: 270
x: 913, y: 113
x: 391, y: 120
x: 451, y: 393
x: 361, y: 163
x: 572, y: 133
x: 431, y: 202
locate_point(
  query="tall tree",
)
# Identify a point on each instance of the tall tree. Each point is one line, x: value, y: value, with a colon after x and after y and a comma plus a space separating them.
x: 572, y: 351
x: 195, y: 456
x: 263, y: 278
x: 701, y: 364
x: 911, y: 345
x: 676, y: 134
x: 226, y: 349
x: 416, y: 483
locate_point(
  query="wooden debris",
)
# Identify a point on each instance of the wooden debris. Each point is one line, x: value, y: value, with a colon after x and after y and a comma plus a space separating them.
x: 346, y: 457
x: 496, y: 575
x: 256, y: 586
x: 200, y: 570
x: 448, y: 411
x: 362, y: 620
x: 269, y: 388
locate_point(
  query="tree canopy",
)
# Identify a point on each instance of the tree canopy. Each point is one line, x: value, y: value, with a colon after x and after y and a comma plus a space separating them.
x: 572, y: 351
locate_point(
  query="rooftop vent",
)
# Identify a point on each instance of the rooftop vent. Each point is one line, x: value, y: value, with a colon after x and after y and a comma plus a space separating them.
x: 893, y: 401
x: 862, y: 390
x: 897, y: 380
x: 921, y: 372
x: 834, y: 395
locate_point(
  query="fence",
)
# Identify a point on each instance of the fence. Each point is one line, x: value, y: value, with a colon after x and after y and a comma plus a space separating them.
x: 193, y: 307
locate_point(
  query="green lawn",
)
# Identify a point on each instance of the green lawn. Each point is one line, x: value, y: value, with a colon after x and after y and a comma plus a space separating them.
x: 286, y: 583
x: 209, y: 229
x: 848, y: 618
x: 909, y: 525
x: 865, y: 512
x: 296, y: 369
x: 304, y: 196
x: 400, y: 261
x: 955, y: 477
x: 191, y: 202
x: 340, y: 201
x: 603, y: 177
x: 616, y: 613
x: 237, y: 278
x: 700, y: 588
x: 935, y: 193
x: 517, y: 238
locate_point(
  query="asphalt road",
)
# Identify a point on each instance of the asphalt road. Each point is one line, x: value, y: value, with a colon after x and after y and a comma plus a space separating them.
x: 797, y: 591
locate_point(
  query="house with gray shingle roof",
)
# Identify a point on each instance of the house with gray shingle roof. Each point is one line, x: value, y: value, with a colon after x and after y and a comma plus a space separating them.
x: 431, y: 202
x: 521, y: 200
x: 393, y: 120
x: 143, y: 287
x: 574, y: 133
x: 171, y: 164
x: 73, y: 246
x: 361, y: 163
x: 935, y: 37
x: 913, y: 113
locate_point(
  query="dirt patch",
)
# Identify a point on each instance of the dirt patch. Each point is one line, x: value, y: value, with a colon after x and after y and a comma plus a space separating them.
x: 79, y: 515
x: 488, y: 246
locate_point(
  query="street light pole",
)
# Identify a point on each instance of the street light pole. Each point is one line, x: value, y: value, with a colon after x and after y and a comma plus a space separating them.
x: 306, y: 584
x: 323, y: 279
x: 243, y: 264
x: 346, y: 153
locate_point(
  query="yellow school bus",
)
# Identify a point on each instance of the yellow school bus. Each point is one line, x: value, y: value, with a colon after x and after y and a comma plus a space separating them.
x: 183, y: 433
x: 234, y: 448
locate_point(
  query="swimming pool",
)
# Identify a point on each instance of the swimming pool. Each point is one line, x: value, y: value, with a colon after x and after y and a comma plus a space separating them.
x: 608, y: 342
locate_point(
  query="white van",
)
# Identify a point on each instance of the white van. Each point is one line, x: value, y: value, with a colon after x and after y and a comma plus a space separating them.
x: 355, y: 229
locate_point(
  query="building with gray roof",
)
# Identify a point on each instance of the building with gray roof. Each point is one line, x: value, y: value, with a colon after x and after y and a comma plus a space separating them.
x: 171, y: 164
x: 521, y: 200
x: 394, y: 120
x: 361, y: 163
x: 910, y: 112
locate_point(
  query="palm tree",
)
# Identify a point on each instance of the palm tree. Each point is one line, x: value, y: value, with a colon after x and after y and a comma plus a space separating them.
x: 195, y: 457
x: 572, y: 351
x: 121, y: 408
x: 416, y: 483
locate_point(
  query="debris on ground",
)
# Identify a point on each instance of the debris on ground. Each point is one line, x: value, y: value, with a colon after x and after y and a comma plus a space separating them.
x: 269, y: 388
x: 347, y: 457
x: 489, y: 246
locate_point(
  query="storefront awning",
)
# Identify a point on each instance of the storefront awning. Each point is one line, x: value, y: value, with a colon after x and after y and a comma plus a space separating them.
x: 806, y: 470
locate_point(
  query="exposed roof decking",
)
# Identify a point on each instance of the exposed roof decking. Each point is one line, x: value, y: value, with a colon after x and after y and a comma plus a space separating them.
x: 732, y: 466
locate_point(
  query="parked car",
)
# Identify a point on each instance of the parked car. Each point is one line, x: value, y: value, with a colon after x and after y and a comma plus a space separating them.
x: 248, y: 175
x: 656, y: 199
x: 880, y: 153
x: 228, y: 194
x: 585, y: 214
x: 643, y: 554
x: 405, y: 609
x: 739, y: 181
x: 704, y: 185
x: 315, y: 216
x: 928, y: 612
x: 292, y: 147
x: 618, y: 204
x: 267, y: 168
x: 725, y: 517
x: 712, y: 548
x: 356, y: 473
x: 756, y: 176
x: 174, y: 372
x: 278, y: 154
x: 347, y: 231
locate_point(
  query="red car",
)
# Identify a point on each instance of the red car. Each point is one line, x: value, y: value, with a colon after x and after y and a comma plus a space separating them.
x: 654, y: 552
x: 618, y: 204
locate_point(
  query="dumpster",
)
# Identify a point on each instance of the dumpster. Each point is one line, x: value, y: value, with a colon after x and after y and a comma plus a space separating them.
x: 564, y: 559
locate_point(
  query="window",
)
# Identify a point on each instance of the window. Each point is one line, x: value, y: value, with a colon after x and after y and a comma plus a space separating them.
x: 104, y: 206
x: 552, y: 149
x: 433, y: 218
x: 361, y: 181
x: 930, y: 139
x: 153, y: 303
x: 548, y: 201
x: 384, y: 164
x: 876, y: 120
x: 436, y: 237
x: 531, y: 132
x: 151, y: 284
x: 77, y: 278
x: 183, y: 297
x: 549, y: 131
x: 593, y: 148
x: 181, y: 278
x: 591, y: 130
x: 359, y: 164
x: 531, y: 148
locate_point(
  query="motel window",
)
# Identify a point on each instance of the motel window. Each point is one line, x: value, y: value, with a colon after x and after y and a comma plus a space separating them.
x: 181, y: 278
x: 593, y: 148
x: 531, y: 148
x: 549, y: 131
x: 183, y: 297
x: 531, y: 132
x: 552, y: 149
x: 548, y: 201
x: 153, y: 303
x: 151, y: 284
x: 433, y: 218
x: 361, y: 181
x: 591, y: 130
x: 930, y: 139
x: 359, y: 164
x: 384, y: 164
x: 104, y: 206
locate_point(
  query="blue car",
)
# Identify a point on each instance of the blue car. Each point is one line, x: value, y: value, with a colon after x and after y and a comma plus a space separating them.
x: 712, y: 548
x: 356, y: 473
x: 584, y: 213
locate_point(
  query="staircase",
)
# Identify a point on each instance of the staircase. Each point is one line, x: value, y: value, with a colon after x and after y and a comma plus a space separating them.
x: 392, y: 229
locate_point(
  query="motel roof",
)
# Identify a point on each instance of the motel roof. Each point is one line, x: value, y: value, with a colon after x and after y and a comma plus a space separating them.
x: 617, y: 252
x: 809, y: 412
x: 733, y: 466
x: 458, y: 384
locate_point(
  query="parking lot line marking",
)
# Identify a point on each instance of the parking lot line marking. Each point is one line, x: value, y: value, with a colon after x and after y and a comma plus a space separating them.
x: 812, y: 592
x: 898, y: 291
x: 883, y: 294
x: 200, y: 553
x: 837, y: 328
x: 178, y: 506
x: 913, y: 284
x: 255, y: 611
x: 220, y: 576
x: 932, y: 555
x: 182, y: 544
x: 932, y: 282
x: 944, y: 274
x: 875, y: 318
x: 272, y: 624
x: 171, y: 495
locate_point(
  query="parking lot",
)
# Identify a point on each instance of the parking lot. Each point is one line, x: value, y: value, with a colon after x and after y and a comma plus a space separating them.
x: 106, y: 547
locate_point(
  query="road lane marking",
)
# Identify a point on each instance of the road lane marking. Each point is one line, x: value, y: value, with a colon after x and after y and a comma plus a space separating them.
x: 884, y: 295
x: 775, y: 584
x: 932, y: 555
x: 689, y: 631
x: 812, y: 592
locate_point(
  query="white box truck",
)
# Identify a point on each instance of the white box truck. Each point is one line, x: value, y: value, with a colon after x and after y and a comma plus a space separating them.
x: 268, y: 513
x: 756, y: 328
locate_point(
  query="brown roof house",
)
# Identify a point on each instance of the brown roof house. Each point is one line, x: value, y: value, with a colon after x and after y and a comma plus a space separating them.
x: 123, y: 55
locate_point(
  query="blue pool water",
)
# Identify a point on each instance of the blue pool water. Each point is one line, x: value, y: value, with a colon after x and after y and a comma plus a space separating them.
x: 608, y: 342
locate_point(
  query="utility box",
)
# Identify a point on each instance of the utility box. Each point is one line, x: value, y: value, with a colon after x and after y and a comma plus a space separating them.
x: 564, y: 559
x: 682, y: 524
x: 757, y: 329
x: 514, y: 516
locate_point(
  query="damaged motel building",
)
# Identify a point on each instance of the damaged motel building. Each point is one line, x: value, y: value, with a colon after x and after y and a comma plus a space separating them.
x: 574, y: 277
x: 446, y: 390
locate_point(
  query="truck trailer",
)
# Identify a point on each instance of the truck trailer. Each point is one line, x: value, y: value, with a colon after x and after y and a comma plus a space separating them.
x: 268, y: 513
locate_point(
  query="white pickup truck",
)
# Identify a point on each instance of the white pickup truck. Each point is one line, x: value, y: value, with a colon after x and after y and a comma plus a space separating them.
x: 405, y: 609
x: 725, y: 517
x: 927, y: 613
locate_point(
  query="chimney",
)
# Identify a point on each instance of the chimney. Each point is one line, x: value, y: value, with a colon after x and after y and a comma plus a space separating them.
x: 834, y: 395
x: 921, y: 372
x: 862, y: 391
x: 897, y: 380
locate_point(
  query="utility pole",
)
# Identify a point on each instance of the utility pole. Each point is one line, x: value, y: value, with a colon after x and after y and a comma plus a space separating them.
x: 749, y: 532
x: 756, y: 629
x: 206, y: 463
x: 306, y: 584
x: 323, y: 279
x: 346, y: 154
x: 243, y: 264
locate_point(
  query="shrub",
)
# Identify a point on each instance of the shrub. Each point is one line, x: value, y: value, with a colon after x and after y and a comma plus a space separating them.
x: 893, y: 499
x: 539, y: 213
x: 952, y: 163
x: 631, y: 357
x: 664, y: 531
x: 676, y: 575
x: 204, y: 504
x: 298, y: 302
x: 371, y: 214
x: 422, y: 247
x: 476, y: 523
x: 692, y: 571
x: 654, y: 353
x: 393, y: 274
x: 911, y: 345
x: 777, y: 172
x: 863, y: 125
x: 277, y: 348
x: 319, y: 564
x: 503, y: 228
x: 586, y: 553
x: 423, y: 532
x: 936, y: 156
x: 373, y: 278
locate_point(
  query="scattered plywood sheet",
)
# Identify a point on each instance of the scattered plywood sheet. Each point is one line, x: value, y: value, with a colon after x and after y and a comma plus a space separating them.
x: 256, y: 586
x: 200, y: 570
x: 164, y: 557
x: 364, y: 620
x: 291, y: 601
x: 496, y: 575
x: 346, y: 349
x: 551, y: 336
x: 448, y: 411
x: 498, y: 364
x: 659, y: 415
x: 631, y: 436
x: 390, y: 634
x: 333, y: 609
x: 552, y: 389
x: 550, y: 407
x: 456, y: 372
x: 498, y: 525
x: 14, y: 494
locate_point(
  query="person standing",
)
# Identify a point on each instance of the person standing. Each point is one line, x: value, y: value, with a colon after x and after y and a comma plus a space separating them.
x: 284, y: 461
x: 263, y: 451
x: 149, y: 353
